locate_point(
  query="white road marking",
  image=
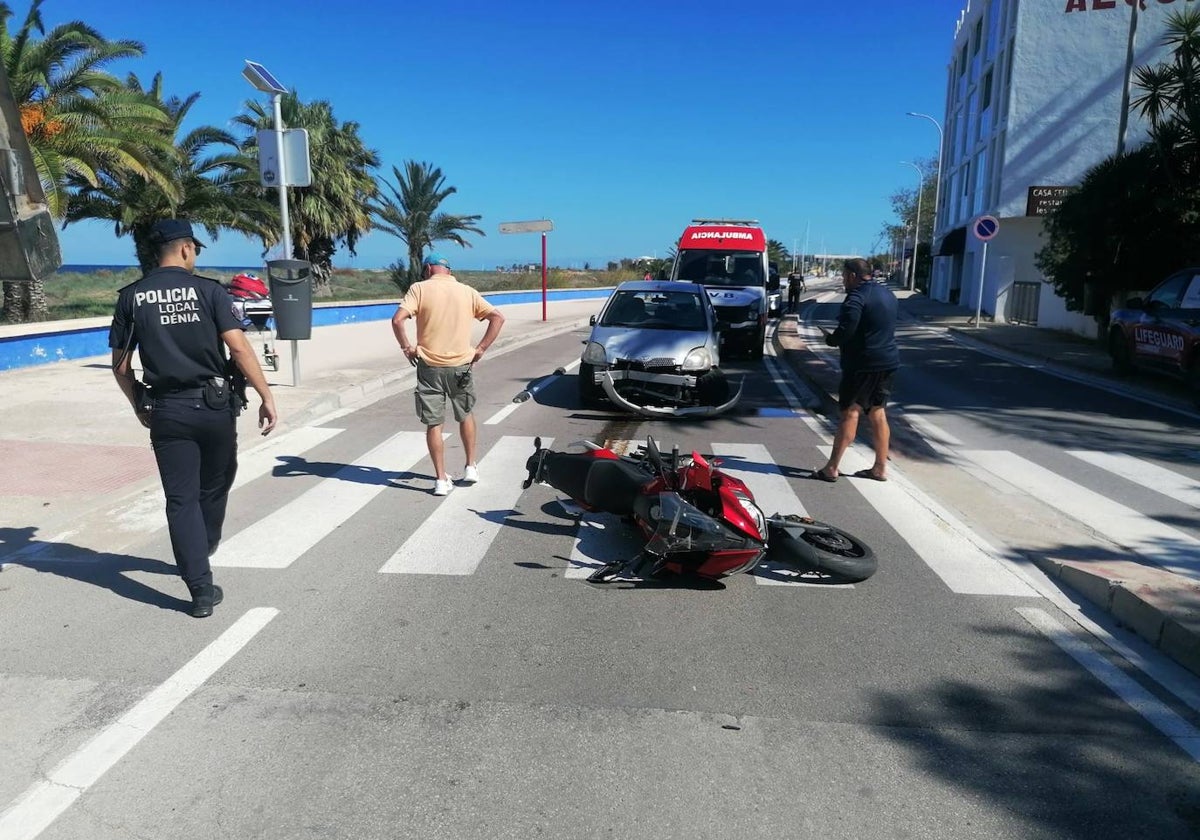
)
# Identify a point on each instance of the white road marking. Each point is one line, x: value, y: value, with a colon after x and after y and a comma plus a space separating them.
x: 950, y: 448
x: 753, y: 464
x: 602, y: 538
x: 1155, y: 542
x: 1157, y: 714
x: 145, y: 513
x: 962, y: 559
x: 455, y: 538
x: 1151, y: 476
x: 501, y: 415
x: 277, y: 540
x: 42, y: 803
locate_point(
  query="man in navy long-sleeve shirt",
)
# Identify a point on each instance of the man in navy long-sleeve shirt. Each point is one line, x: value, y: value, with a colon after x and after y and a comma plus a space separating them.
x: 866, y: 334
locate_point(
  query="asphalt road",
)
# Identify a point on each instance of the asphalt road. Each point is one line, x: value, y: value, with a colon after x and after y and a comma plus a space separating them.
x: 508, y: 698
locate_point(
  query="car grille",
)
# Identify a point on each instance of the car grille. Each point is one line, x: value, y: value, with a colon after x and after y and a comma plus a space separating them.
x: 733, y: 314
x: 658, y: 364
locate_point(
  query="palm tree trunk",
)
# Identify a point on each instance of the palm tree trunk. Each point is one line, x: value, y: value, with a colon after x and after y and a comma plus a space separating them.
x: 24, y: 302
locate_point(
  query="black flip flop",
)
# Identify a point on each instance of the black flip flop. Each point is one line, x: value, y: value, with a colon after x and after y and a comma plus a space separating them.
x: 824, y: 476
x: 868, y: 474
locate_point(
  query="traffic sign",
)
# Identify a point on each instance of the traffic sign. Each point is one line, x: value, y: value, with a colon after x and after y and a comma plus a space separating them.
x: 539, y: 226
x: 985, y: 228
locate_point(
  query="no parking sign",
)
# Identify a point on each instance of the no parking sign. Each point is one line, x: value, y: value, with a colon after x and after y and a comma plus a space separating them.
x: 985, y: 229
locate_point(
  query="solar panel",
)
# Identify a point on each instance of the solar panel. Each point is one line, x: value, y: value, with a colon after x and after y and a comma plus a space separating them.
x: 264, y: 81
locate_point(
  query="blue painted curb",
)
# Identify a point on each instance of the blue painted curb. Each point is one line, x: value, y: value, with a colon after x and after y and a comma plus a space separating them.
x: 20, y: 351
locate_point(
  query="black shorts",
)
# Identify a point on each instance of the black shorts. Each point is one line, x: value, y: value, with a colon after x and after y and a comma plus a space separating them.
x: 868, y: 389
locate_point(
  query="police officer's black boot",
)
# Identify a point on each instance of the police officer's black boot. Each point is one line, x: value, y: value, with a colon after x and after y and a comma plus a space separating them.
x: 204, y: 598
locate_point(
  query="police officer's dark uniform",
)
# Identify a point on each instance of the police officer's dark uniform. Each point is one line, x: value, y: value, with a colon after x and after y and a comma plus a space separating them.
x: 176, y: 319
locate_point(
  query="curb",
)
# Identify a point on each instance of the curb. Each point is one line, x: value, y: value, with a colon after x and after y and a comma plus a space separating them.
x: 1159, y: 606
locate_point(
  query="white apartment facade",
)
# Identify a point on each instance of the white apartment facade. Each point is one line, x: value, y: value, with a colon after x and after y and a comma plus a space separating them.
x: 1033, y: 101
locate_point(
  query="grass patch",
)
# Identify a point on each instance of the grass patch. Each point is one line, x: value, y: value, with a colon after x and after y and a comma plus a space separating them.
x: 75, y: 295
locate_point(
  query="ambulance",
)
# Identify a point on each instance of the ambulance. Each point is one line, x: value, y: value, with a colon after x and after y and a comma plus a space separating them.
x: 729, y: 258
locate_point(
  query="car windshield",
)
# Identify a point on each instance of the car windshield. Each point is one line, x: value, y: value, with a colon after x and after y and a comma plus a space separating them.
x: 708, y: 268
x: 655, y: 311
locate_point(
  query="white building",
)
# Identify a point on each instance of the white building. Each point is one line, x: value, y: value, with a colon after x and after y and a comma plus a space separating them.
x: 1033, y: 101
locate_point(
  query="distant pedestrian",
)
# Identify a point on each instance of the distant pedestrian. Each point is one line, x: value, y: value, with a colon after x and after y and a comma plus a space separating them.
x: 866, y: 334
x: 795, y: 287
x: 179, y: 323
x: 444, y: 309
x: 648, y: 277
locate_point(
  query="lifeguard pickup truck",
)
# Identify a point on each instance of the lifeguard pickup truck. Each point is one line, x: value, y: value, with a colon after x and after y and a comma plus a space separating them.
x: 729, y: 258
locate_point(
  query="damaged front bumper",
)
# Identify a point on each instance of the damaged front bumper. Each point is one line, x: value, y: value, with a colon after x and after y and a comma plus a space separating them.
x: 685, y: 382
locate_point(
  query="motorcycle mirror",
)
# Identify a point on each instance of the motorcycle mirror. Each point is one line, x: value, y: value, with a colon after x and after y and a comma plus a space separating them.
x: 656, y: 458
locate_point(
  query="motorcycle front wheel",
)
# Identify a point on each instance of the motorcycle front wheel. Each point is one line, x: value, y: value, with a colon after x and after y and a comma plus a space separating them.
x: 824, y: 548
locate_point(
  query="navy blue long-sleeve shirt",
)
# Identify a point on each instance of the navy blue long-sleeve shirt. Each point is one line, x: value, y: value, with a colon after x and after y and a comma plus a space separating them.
x: 866, y: 331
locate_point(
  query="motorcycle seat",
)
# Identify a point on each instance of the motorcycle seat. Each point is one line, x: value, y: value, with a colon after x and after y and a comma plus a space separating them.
x: 613, y: 485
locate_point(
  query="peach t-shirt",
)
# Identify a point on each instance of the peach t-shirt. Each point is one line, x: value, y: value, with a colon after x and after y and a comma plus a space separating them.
x: 444, y: 310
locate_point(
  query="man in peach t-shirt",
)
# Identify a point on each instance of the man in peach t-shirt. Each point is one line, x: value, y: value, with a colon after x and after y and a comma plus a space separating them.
x: 444, y: 310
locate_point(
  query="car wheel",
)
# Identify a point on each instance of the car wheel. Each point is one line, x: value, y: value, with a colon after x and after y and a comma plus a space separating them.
x: 1193, y: 380
x: 1118, y: 349
x: 590, y: 394
x: 712, y: 388
x: 756, y: 349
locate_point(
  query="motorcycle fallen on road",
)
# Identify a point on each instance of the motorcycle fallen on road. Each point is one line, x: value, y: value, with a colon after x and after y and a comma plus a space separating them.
x: 697, y: 521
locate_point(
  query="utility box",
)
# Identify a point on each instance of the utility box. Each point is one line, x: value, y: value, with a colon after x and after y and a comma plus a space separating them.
x: 290, y: 282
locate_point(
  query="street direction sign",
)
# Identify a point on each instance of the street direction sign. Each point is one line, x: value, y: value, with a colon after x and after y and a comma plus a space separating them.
x: 537, y: 226
x: 985, y: 228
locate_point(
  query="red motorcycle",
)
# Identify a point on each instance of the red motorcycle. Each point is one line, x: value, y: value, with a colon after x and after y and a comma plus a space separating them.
x: 697, y: 521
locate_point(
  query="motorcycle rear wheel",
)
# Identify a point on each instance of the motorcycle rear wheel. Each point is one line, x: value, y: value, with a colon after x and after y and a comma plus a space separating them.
x: 829, y: 550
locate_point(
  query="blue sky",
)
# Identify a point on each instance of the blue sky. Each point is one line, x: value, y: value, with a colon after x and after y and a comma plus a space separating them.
x: 619, y: 121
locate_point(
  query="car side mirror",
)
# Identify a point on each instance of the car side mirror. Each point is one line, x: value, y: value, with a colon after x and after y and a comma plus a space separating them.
x: 592, y: 321
x: 773, y: 283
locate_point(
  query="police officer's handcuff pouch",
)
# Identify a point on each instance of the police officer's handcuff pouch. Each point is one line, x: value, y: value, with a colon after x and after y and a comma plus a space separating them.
x: 216, y: 393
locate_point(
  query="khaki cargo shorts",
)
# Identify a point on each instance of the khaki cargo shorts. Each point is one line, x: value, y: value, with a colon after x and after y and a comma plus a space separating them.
x: 437, y: 384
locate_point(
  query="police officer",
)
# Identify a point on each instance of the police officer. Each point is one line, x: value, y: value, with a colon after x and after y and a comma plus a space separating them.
x: 179, y: 321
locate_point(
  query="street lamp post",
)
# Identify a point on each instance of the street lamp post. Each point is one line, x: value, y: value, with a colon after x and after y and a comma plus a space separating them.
x: 262, y: 79
x: 937, y: 186
x: 917, y: 221
x: 1123, y: 127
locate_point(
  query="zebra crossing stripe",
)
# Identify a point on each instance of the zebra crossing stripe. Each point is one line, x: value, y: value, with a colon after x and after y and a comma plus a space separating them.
x: 602, y: 538
x: 1151, y: 476
x: 145, y: 513
x: 277, y: 540
x: 1155, y: 542
x: 455, y: 538
x: 964, y: 562
x: 753, y: 464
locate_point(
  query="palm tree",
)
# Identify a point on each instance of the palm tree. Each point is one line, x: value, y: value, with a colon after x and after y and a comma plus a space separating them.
x: 334, y: 210
x: 411, y: 214
x: 80, y: 121
x: 210, y: 183
x: 777, y: 252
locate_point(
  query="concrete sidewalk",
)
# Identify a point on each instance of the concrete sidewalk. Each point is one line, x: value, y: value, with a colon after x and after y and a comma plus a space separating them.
x: 1160, y: 606
x: 69, y: 443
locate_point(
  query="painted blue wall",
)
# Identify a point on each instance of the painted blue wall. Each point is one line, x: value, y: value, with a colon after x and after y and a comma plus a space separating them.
x: 41, y: 348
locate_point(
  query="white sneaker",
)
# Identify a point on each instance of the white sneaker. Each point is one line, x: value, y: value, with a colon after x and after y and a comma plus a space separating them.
x: 470, y: 474
x: 442, y: 486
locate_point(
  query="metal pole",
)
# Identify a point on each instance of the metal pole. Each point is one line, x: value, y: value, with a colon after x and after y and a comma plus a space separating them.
x: 937, y: 189
x: 807, y: 225
x: 917, y: 221
x: 979, y: 300
x: 1124, y: 123
x: 543, y: 276
x: 795, y: 242
x: 284, y: 217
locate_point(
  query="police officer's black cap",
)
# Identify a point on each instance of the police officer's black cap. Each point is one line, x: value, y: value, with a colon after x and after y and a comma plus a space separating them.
x: 168, y: 230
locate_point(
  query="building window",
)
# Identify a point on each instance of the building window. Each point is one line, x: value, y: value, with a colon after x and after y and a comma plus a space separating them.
x: 981, y: 183
x: 985, y: 89
x: 993, y: 28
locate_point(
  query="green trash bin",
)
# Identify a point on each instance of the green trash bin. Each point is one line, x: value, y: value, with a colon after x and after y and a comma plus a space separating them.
x: 290, y: 282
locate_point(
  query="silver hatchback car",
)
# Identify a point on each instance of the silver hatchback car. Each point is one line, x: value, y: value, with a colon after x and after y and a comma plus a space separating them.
x: 654, y: 350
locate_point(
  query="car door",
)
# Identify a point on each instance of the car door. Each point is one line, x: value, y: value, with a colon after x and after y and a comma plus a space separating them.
x: 1158, y: 336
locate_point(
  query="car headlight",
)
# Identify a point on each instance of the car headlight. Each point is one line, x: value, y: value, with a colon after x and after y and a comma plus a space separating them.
x: 698, y: 359
x: 594, y: 354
